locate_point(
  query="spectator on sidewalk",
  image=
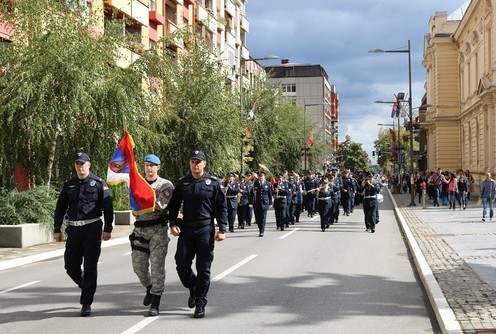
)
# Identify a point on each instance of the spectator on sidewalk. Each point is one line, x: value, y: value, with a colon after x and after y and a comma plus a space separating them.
x: 437, y: 181
x: 470, y: 183
x: 487, y: 193
x: 452, y: 190
x: 462, y: 193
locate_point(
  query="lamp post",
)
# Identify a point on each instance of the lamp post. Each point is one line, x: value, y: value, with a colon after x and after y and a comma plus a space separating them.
x: 305, y: 105
x: 242, y: 64
x: 410, y: 110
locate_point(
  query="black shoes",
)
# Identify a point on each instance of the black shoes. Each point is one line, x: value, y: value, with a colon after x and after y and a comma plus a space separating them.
x: 260, y: 235
x: 199, y: 312
x: 191, y: 300
x: 148, y: 297
x: 154, y: 311
x: 86, y: 310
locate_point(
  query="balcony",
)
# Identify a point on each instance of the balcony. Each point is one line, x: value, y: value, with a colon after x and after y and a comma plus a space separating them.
x: 126, y: 57
x: 156, y: 18
x: 244, y: 23
x: 134, y: 9
x: 230, y: 8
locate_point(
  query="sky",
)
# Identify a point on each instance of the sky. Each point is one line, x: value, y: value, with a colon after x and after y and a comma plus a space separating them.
x: 338, y: 34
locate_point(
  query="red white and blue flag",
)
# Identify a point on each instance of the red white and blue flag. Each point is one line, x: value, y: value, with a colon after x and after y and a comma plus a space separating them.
x: 395, y: 112
x: 122, y: 168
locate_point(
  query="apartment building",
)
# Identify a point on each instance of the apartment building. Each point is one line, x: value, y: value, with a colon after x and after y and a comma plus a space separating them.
x: 460, y: 59
x: 308, y: 86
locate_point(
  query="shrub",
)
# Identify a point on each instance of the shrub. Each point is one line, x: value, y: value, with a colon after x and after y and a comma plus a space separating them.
x: 36, y: 205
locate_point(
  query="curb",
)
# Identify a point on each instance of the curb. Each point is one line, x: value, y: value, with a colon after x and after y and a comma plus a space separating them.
x: 444, y: 314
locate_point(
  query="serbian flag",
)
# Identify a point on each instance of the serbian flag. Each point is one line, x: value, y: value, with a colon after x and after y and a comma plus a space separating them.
x: 251, y: 114
x: 395, y: 112
x: 310, y: 140
x: 122, y: 168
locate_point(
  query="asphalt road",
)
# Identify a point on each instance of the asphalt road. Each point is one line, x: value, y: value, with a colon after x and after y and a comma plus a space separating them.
x: 302, y: 280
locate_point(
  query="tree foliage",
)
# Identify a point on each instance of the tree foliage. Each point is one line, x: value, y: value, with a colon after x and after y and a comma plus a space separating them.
x: 352, y: 156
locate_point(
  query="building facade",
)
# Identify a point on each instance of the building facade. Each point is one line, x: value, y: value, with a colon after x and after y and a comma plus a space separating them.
x: 308, y: 86
x: 459, y: 56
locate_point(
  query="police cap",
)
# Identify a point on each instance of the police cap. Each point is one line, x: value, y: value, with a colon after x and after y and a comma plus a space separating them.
x: 197, y: 155
x: 81, y: 157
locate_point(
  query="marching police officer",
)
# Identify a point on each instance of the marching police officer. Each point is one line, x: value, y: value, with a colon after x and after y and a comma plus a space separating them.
x: 82, y: 200
x: 244, y: 202
x: 150, y: 240
x: 281, y: 192
x: 204, y: 201
x: 324, y: 204
x: 231, y: 188
x: 262, y: 200
x: 370, y: 189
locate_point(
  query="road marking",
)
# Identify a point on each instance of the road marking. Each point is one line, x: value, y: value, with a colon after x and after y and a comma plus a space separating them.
x: 289, y: 233
x: 233, y: 268
x: 140, y: 325
x: 19, y: 286
x: 128, y: 253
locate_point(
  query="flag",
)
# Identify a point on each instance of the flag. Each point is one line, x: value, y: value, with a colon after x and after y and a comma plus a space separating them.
x: 395, y: 112
x: 251, y: 114
x: 310, y: 140
x: 393, y: 138
x: 122, y: 168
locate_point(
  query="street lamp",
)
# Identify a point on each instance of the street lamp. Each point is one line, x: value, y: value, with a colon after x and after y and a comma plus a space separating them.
x: 305, y: 105
x: 410, y: 110
x: 242, y: 63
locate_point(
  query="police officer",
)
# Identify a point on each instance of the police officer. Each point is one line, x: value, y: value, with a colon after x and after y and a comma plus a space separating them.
x: 281, y: 192
x: 150, y: 240
x: 249, y: 179
x: 203, y: 201
x: 262, y: 200
x: 244, y: 202
x: 346, y: 192
x: 338, y: 182
x: 324, y: 204
x: 231, y: 188
x: 82, y: 200
x: 370, y: 189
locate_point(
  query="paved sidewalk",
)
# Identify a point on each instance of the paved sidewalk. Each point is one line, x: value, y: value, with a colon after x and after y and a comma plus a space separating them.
x: 460, y: 250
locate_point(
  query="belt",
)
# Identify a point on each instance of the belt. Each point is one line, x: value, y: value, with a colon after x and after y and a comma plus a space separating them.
x: 324, y: 198
x: 279, y: 197
x: 231, y: 196
x: 147, y: 223
x: 83, y: 222
x: 196, y: 223
x: 370, y: 196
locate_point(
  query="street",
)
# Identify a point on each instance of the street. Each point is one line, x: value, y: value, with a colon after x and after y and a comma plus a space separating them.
x: 300, y: 280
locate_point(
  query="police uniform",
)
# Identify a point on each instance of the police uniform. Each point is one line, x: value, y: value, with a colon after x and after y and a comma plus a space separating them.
x: 370, y: 190
x: 244, y: 203
x: 232, y: 190
x: 204, y: 201
x: 346, y: 192
x: 150, y: 241
x: 262, y: 200
x: 82, y: 203
x: 324, y: 204
x: 338, y: 182
x: 281, y: 192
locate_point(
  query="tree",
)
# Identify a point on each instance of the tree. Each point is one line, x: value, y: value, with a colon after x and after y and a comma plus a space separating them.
x: 61, y: 90
x: 384, y: 144
x: 352, y: 156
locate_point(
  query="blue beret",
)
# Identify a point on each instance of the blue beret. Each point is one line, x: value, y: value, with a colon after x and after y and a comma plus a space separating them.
x: 151, y: 158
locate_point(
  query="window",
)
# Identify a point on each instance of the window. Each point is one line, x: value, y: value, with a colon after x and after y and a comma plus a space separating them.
x: 288, y: 88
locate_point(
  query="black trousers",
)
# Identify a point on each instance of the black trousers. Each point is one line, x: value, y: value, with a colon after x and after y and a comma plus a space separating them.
x: 199, y: 242
x: 83, y: 246
x: 260, y: 219
x: 370, y: 212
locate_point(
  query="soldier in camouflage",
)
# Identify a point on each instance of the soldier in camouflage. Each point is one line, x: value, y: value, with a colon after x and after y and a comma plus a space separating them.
x: 150, y: 239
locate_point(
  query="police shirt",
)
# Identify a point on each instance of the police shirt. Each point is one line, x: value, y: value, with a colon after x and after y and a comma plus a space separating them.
x: 84, y: 199
x: 202, y: 199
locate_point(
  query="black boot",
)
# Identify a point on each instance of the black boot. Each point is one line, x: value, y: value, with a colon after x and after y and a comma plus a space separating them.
x: 154, y: 306
x: 148, y: 297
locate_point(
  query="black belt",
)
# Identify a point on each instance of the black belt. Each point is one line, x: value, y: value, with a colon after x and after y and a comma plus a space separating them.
x: 196, y: 223
x: 147, y: 223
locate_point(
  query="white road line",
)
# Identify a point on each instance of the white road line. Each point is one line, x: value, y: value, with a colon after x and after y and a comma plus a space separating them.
x: 19, y: 286
x: 233, y: 268
x: 128, y: 253
x: 289, y: 233
x: 140, y: 325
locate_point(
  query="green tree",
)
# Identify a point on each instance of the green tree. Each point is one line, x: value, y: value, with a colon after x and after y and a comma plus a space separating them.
x: 383, y: 144
x: 352, y: 156
x: 61, y: 90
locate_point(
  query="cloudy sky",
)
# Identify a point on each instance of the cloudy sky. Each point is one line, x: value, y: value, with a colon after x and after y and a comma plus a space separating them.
x: 338, y: 34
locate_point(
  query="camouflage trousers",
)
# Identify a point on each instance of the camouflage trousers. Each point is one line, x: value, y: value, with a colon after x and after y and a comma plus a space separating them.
x: 149, y: 248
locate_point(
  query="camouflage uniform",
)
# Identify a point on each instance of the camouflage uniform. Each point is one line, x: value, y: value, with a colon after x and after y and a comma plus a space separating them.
x: 149, y: 243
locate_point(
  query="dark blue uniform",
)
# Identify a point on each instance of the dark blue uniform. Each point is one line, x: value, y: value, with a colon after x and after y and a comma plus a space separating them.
x: 203, y: 201
x: 231, y: 189
x: 281, y: 192
x: 82, y: 202
x: 262, y: 200
x: 370, y: 191
x: 244, y: 204
x: 338, y: 182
